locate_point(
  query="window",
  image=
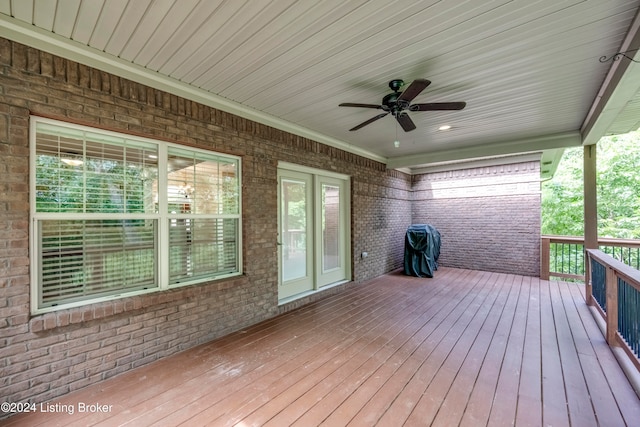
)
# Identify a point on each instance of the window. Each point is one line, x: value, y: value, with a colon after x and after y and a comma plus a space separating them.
x: 116, y: 215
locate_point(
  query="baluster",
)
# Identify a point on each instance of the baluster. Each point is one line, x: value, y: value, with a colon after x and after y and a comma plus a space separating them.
x: 612, y: 306
x: 636, y: 321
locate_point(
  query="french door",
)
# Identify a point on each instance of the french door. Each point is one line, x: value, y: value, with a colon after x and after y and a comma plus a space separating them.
x: 313, y: 230
x: 295, y: 237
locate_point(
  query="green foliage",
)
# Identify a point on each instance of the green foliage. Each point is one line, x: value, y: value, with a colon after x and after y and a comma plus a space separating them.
x: 562, y: 197
x: 98, y: 186
x: 618, y: 190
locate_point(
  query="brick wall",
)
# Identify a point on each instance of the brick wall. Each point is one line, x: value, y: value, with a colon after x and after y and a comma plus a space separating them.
x: 45, y: 356
x: 381, y: 215
x: 489, y: 217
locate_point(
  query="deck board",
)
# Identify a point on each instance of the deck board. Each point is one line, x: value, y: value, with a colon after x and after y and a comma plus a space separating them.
x: 617, y: 385
x: 465, y: 348
x: 478, y: 406
x: 555, y: 411
x: 579, y: 403
x: 454, y: 403
x: 529, y: 405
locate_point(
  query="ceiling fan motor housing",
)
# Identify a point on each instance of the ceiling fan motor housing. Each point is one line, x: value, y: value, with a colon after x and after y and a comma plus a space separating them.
x: 389, y: 102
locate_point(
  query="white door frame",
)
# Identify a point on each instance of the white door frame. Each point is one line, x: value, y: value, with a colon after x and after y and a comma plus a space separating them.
x: 320, y: 277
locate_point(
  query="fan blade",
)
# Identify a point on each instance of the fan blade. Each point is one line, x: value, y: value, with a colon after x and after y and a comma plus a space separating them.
x: 350, y: 104
x: 363, y: 124
x: 414, y: 89
x: 406, y: 122
x: 435, y: 106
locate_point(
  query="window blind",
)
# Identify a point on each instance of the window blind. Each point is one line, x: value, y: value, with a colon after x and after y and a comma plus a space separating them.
x: 96, y: 210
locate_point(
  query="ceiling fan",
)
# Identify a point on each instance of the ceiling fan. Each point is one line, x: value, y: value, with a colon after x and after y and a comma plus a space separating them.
x: 398, y: 103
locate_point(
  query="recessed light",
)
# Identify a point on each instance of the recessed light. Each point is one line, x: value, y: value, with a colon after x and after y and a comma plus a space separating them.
x: 444, y: 127
x: 396, y: 144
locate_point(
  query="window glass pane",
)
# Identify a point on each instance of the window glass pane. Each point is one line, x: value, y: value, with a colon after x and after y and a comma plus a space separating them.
x: 120, y: 179
x: 230, y: 188
x: 90, y: 258
x: 201, y: 184
x: 59, y: 174
x: 330, y: 227
x: 84, y: 175
x: 202, y: 247
x: 141, y: 180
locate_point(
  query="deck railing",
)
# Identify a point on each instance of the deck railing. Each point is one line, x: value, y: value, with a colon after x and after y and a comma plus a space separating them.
x: 613, y: 288
x: 563, y: 256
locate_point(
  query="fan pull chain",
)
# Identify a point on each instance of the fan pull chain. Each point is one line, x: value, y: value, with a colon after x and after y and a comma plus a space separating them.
x: 396, y: 143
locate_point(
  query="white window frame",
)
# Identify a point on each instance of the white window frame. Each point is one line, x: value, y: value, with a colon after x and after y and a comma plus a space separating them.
x: 163, y: 217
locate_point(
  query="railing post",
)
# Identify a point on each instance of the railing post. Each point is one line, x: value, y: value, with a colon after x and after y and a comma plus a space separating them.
x: 544, y: 258
x: 588, y: 286
x: 590, y: 208
x: 612, y: 307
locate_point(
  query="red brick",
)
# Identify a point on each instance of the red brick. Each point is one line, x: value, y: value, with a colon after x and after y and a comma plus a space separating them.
x: 36, y: 325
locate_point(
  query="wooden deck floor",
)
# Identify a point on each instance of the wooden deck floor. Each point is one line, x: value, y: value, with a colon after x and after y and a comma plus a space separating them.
x: 466, y: 348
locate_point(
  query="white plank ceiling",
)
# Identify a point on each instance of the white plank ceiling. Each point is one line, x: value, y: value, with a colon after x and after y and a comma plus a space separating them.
x: 528, y: 70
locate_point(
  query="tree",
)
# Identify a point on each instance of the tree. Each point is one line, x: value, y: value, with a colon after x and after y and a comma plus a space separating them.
x: 562, y: 198
x: 618, y: 187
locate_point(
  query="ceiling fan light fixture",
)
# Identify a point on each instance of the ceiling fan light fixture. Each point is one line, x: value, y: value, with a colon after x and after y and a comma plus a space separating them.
x: 444, y: 127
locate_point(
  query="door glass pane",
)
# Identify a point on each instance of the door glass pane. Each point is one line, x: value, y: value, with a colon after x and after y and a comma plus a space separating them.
x: 294, y: 230
x: 330, y: 227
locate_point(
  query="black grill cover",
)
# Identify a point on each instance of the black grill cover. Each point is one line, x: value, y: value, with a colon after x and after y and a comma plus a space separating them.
x: 421, y: 250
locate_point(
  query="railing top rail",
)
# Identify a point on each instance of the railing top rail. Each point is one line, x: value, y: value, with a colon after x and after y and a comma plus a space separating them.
x: 603, y: 241
x: 629, y: 274
x: 563, y: 239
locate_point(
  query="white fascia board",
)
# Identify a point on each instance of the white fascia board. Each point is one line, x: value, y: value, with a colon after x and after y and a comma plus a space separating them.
x: 478, y: 163
x: 21, y: 32
x: 528, y: 145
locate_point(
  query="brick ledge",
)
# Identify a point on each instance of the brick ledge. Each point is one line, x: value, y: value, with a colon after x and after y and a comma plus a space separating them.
x: 78, y: 315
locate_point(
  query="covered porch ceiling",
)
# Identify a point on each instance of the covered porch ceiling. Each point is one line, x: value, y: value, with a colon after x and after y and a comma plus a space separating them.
x: 529, y: 71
